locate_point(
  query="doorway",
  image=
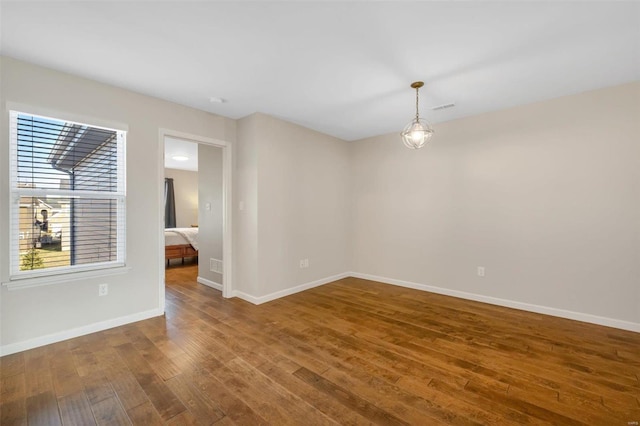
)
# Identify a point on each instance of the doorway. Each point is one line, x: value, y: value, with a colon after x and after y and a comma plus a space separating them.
x: 200, y: 172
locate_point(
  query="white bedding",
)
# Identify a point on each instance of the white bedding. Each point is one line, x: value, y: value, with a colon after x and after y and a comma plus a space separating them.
x: 177, y: 236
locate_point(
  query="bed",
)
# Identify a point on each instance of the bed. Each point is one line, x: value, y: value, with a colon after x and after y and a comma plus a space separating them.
x: 180, y: 243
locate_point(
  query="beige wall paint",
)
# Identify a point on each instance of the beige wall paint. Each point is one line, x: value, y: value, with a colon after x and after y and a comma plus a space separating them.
x: 546, y: 197
x: 246, y: 206
x: 210, y: 226
x: 36, y: 312
x: 185, y: 186
x: 302, y: 204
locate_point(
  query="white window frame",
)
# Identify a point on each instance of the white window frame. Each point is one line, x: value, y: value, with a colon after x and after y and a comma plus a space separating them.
x: 30, y: 278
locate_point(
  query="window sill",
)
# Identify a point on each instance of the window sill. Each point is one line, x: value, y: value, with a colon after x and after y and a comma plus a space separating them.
x: 20, y: 283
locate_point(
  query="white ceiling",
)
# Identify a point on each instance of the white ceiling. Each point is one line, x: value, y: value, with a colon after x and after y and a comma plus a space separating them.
x: 178, y: 147
x: 343, y: 68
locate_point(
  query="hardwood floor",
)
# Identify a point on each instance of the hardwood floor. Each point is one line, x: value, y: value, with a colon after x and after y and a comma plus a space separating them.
x: 349, y: 352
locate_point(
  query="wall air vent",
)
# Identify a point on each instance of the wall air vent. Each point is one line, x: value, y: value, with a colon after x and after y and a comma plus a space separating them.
x: 215, y: 265
x: 443, y: 106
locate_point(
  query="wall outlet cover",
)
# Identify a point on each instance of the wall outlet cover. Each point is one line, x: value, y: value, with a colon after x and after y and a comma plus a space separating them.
x: 103, y: 289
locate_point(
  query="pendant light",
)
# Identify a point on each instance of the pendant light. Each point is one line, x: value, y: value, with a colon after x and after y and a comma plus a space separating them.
x: 416, y: 134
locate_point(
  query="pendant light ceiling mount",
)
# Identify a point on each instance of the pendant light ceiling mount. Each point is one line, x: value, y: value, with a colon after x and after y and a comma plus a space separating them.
x: 416, y: 134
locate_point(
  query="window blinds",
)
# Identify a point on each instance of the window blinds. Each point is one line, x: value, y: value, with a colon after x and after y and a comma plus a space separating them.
x: 68, y: 196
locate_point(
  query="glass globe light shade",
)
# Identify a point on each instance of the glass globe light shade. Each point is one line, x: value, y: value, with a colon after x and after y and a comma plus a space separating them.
x: 416, y: 134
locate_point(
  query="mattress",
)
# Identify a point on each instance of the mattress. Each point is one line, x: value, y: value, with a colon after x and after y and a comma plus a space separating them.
x: 172, y: 238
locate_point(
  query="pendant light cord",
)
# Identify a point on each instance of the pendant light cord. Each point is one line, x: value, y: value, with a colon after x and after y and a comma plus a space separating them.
x: 417, y: 114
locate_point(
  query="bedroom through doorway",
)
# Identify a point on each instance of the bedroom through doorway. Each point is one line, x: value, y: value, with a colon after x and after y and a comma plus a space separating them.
x: 193, y: 211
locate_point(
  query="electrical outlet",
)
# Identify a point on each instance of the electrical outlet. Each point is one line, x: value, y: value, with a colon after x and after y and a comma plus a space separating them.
x: 301, y: 263
x: 103, y: 289
x: 306, y: 263
x: 481, y: 271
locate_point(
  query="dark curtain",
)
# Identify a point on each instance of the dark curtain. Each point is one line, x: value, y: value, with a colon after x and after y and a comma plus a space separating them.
x: 169, y: 204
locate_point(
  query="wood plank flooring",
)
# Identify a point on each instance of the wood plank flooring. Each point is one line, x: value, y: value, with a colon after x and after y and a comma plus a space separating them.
x: 350, y: 352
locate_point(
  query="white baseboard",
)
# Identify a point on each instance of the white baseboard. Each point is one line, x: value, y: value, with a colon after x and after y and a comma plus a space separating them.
x: 77, y: 332
x: 105, y: 325
x: 578, y: 316
x: 210, y: 283
x: 286, y: 292
x: 245, y: 296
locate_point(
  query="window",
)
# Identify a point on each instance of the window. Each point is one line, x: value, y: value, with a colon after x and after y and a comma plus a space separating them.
x: 67, y: 194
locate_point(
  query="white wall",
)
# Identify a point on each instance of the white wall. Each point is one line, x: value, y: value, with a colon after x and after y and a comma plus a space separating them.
x: 35, y: 315
x: 185, y: 186
x: 546, y: 197
x: 302, y: 204
x: 210, y: 226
